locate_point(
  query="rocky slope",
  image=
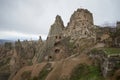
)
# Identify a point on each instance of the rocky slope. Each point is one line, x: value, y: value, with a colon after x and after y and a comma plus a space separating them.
x: 55, y: 58
x: 63, y: 50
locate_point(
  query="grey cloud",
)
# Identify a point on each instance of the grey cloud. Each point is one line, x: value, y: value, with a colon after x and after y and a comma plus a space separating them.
x: 36, y: 16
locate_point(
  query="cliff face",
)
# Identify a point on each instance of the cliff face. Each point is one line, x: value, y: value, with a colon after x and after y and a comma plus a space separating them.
x: 61, y: 43
x: 57, y: 27
x: 58, y: 56
x: 6, y: 51
x: 81, y: 17
x: 81, y: 30
x: 81, y: 25
x: 23, y: 53
x: 55, y: 34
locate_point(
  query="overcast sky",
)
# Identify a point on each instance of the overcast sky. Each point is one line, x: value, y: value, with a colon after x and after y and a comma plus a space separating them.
x: 26, y: 19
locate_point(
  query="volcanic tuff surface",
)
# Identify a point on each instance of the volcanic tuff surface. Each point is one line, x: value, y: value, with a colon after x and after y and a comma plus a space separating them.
x: 55, y: 58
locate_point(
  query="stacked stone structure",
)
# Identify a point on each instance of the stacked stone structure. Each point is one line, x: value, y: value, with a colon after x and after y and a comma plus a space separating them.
x: 109, y: 64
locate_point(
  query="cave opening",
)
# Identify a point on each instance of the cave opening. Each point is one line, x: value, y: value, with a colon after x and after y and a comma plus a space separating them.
x: 57, y: 50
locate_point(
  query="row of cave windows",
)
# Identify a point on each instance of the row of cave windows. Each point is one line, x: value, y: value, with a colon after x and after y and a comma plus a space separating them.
x: 51, y: 57
x: 56, y: 37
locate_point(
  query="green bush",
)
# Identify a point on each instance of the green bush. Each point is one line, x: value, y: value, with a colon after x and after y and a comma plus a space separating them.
x: 85, y: 72
x: 112, y: 50
x: 43, y: 74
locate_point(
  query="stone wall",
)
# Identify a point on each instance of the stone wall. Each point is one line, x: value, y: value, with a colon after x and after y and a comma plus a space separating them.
x: 108, y: 63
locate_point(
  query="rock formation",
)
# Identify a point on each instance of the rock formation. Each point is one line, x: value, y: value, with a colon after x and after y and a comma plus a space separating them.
x: 57, y: 56
x: 54, y: 36
x: 81, y: 25
x: 6, y: 52
x: 59, y: 38
x: 23, y: 54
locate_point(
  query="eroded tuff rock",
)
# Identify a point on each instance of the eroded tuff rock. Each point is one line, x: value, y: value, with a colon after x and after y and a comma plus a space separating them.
x: 55, y: 35
x: 6, y: 52
x: 61, y: 42
x: 81, y: 25
x: 23, y: 54
x: 57, y: 27
x: 55, y: 31
x: 67, y: 40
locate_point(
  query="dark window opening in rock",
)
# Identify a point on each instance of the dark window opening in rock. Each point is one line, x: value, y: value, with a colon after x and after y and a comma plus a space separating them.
x: 23, y: 63
x: 59, y: 37
x: 83, y: 24
x: 50, y: 57
x: 57, y: 43
x: 85, y: 33
x: 47, y: 38
x: 56, y: 37
x: 57, y: 50
x: 98, y: 38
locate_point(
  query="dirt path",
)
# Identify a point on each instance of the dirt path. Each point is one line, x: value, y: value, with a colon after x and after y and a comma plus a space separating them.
x: 35, y: 69
x: 55, y: 73
x: 18, y: 75
x: 63, y: 69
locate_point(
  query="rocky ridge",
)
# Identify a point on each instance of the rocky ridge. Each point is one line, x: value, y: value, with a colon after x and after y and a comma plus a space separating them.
x: 55, y: 58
